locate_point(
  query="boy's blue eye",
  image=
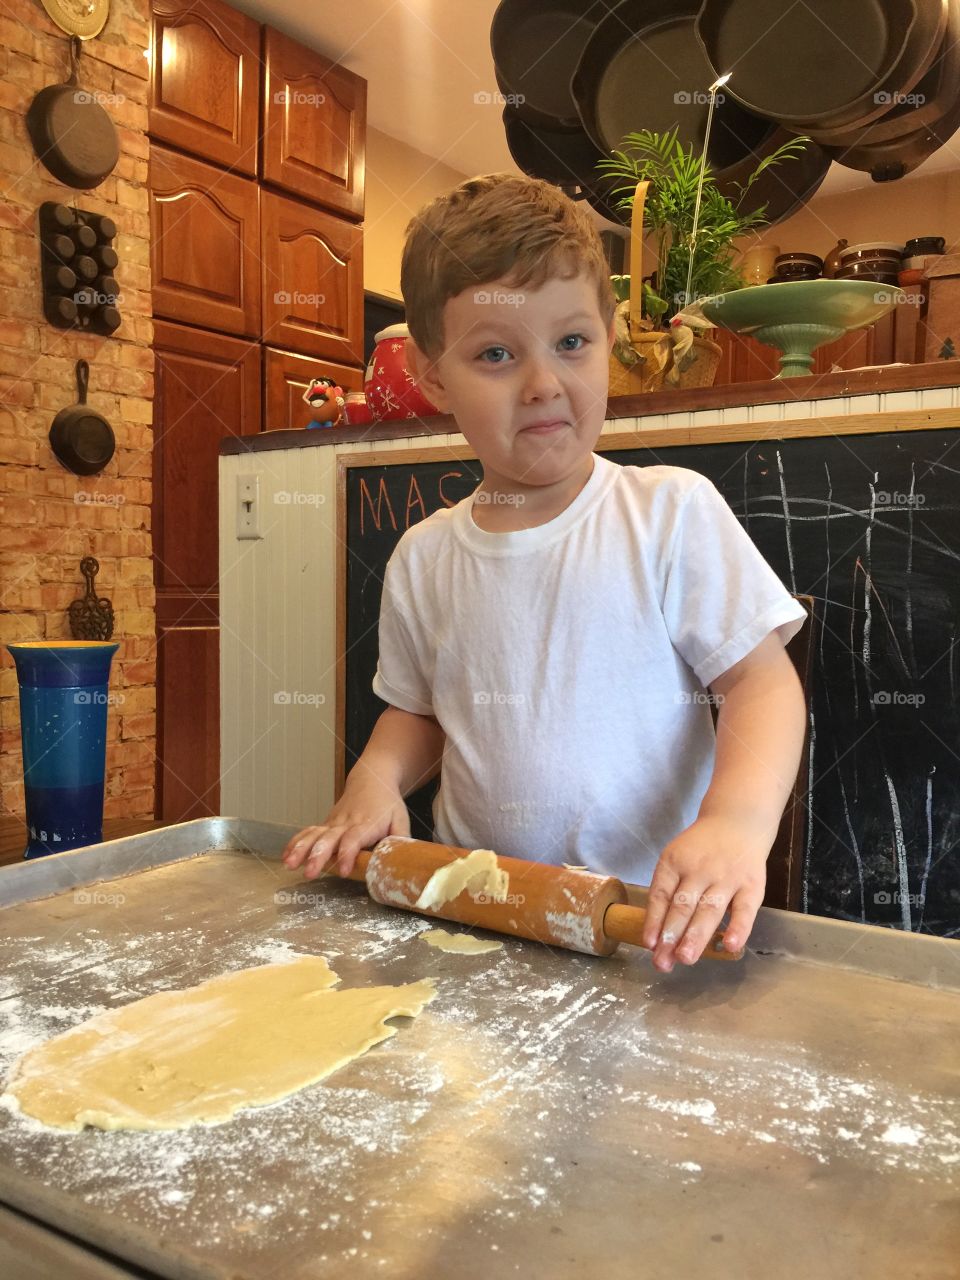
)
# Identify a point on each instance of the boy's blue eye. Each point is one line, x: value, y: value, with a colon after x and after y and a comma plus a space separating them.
x: 496, y: 355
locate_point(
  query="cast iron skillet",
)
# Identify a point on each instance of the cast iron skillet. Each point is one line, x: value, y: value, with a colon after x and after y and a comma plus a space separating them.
x: 567, y: 159
x: 820, y: 63
x: 887, y: 161
x: 925, y: 104
x: 81, y: 438
x: 71, y: 133
x: 536, y: 45
x: 643, y: 68
x: 784, y: 187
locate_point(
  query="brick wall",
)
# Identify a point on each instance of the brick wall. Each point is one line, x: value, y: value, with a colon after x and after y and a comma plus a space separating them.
x: 50, y: 518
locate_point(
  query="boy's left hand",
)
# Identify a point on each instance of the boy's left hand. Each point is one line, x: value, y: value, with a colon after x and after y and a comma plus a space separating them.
x: 716, y: 863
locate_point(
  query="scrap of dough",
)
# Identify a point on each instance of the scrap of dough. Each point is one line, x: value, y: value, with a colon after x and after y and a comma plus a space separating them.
x: 478, y: 872
x: 464, y: 944
x: 183, y: 1058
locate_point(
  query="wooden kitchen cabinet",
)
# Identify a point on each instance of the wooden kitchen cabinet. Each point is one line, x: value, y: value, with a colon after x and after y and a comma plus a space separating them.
x: 287, y: 375
x: 312, y: 281
x: 205, y: 244
x: 205, y: 81
x: 314, y: 125
x: 207, y: 387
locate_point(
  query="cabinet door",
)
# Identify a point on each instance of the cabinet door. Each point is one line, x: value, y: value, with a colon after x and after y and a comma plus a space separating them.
x: 287, y: 376
x: 205, y: 81
x: 205, y: 244
x: 207, y: 387
x: 312, y: 281
x: 314, y: 125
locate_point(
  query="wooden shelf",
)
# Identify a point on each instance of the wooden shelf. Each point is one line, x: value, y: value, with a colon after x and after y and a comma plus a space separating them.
x: 850, y: 382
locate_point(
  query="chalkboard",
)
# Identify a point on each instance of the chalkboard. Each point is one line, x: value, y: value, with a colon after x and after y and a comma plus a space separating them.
x: 867, y: 524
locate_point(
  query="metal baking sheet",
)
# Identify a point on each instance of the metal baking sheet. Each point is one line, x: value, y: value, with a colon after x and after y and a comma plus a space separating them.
x: 549, y: 1114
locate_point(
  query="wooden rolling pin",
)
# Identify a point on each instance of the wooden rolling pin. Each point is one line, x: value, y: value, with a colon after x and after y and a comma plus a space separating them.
x: 558, y: 906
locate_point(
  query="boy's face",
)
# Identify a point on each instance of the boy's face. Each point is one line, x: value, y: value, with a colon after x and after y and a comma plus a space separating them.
x: 525, y: 374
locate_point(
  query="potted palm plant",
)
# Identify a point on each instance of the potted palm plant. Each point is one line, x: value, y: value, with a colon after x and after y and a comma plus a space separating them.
x: 665, y: 175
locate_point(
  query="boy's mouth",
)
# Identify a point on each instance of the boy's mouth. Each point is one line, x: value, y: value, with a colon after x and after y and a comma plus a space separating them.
x: 546, y: 426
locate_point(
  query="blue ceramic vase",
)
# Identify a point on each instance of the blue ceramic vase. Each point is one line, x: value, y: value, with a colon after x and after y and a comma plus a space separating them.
x: 63, y: 727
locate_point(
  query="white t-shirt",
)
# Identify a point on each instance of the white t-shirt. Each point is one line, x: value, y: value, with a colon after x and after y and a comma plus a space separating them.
x: 567, y: 663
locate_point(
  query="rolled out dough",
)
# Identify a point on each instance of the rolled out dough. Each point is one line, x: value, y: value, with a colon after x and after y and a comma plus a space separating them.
x: 478, y: 872
x: 464, y: 944
x: 184, y: 1058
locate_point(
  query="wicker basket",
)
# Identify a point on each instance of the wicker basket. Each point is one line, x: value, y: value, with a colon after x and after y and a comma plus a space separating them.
x: 656, y: 357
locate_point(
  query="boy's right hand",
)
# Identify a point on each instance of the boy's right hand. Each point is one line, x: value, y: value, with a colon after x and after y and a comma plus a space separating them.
x: 365, y: 813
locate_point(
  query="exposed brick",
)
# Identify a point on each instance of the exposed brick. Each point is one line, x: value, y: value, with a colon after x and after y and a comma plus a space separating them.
x: 138, y: 726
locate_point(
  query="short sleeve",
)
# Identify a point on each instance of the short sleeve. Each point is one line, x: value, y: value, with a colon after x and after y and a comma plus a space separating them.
x: 721, y: 598
x: 400, y: 678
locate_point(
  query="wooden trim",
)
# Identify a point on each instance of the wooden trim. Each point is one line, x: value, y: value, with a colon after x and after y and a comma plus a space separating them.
x: 846, y: 425
x: 340, y: 653
x: 887, y: 378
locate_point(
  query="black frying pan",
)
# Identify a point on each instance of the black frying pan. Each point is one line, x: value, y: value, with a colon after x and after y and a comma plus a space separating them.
x: 71, y: 133
x: 815, y: 63
x: 783, y: 187
x: 924, y: 105
x: 919, y: 51
x: 567, y: 159
x: 888, y: 161
x: 81, y: 438
x: 536, y: 45
x: 643, y: 68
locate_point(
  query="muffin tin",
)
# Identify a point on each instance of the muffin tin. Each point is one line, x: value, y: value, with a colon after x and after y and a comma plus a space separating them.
x: 78, y: 260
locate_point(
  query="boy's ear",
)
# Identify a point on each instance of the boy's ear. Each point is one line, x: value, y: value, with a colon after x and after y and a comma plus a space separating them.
x: 425, y: 375
x: 611, y: 334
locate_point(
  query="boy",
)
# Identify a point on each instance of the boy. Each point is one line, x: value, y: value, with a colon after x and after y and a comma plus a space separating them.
x: 549, y: 639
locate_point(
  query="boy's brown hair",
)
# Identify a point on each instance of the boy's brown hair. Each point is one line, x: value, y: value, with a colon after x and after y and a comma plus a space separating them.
x: 498, y: 226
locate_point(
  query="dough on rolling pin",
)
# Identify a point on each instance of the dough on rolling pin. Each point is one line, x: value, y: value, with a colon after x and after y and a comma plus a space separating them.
x: 183, y: 1058
x: 464, y: 944
x: 478, y: 872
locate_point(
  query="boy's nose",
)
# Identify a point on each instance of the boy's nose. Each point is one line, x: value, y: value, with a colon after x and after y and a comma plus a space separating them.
x: 541, y: 382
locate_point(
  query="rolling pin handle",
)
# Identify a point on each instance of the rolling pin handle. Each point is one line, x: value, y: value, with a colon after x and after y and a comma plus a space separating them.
x: 625, y: 924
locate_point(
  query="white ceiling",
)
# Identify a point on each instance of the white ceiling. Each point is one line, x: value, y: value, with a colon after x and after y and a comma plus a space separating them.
x: 425, y: 59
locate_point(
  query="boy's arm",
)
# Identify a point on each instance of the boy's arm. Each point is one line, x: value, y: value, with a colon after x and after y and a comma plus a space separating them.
x: 720, y: 859
x: 403, y: 753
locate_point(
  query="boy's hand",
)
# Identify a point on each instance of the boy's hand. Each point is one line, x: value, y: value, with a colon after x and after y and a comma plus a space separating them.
x: 365, y: 813
x: 715, y: 862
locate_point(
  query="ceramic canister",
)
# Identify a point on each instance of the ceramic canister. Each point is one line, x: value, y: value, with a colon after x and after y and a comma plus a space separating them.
x: 63, y: 728
x: 388, y: 384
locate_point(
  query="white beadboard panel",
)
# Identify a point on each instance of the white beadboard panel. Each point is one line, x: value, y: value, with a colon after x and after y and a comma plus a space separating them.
x: 864, y: 404
x: 939, y: 398
x: 901, y: 401
x: 797, y: 410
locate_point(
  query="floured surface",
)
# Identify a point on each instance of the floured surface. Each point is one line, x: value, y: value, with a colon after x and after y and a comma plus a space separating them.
x: 198, y: 1056
x: 536, y: 1119
x: 463, y: 944
x: 478, y: 873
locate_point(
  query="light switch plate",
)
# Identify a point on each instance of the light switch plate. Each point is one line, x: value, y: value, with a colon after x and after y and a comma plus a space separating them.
x: 248, y: 507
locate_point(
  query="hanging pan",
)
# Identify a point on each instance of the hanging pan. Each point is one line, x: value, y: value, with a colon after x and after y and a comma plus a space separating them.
x: 926, y: 103
x: 71, y: 133
x: 920, y: 51
x: 81, y: 438
x: 567, y: 159
x: 888, y: 161
x: 781, y: 188
x: 643, y: 68
x: 536, y: 45
x: 817, y: 65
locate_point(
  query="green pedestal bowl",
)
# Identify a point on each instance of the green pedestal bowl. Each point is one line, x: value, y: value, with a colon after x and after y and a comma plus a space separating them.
x: 798, y: 316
